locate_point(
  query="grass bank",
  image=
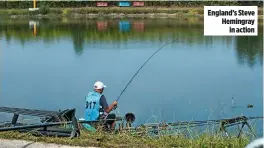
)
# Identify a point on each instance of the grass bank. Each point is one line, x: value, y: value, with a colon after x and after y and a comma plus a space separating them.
x: 101, y: 139
x: 114, y: 12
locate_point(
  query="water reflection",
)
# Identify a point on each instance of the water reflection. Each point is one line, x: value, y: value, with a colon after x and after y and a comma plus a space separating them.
x: 139, y: 26
x: 124, y: 26
x: 78, y: 37
x: 101, y: 25
x: 248, y: 49
x: 33, y: 25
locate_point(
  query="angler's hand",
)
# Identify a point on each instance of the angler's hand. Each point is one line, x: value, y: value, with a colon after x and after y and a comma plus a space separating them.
x: 114, y: 103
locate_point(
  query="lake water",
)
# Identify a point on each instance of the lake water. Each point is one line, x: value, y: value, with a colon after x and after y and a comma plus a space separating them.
x: 196, y: 78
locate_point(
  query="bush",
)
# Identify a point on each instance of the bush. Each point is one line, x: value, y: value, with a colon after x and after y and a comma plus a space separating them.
x: 44, y: 9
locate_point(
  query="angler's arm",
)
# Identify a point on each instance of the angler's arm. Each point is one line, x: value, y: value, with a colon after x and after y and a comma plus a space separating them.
x: 107, y: 108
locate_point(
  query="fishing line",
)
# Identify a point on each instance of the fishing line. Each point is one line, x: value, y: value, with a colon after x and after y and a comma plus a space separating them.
x: 173, y: 41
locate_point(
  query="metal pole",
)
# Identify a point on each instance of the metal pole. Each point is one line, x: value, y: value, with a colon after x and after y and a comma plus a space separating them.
x: 45, y: 125
x: 34, y: 4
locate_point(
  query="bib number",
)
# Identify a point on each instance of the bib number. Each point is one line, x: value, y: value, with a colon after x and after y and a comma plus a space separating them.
x: 90, y: 105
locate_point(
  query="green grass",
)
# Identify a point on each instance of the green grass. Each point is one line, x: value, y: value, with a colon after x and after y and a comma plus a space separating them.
x: 140, y: 10
x: 101, y: 139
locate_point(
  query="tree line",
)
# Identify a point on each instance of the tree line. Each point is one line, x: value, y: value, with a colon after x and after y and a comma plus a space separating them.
x: 65, y: 4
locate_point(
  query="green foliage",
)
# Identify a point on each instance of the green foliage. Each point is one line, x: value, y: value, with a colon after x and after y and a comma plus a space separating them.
x: 65, y: 11
x: 66, y: 4
x: 177, y: 11
x: 44, y: 9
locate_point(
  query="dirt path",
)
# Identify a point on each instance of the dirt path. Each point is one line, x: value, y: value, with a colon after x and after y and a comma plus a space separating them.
x: 30, y: 144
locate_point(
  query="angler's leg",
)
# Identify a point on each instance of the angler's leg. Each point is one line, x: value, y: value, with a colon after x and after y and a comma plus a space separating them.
x: 111, y: 120
x: 113, y: 125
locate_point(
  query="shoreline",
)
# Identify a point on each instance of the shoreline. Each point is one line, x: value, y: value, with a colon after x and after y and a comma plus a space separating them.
x: 111, y: 16
x: 108, y: 16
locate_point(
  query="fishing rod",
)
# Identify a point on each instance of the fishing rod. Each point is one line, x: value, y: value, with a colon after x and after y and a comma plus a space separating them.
x: 173, y: 41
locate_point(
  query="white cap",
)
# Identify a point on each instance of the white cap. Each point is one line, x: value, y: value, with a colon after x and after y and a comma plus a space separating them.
x: 99, y: 85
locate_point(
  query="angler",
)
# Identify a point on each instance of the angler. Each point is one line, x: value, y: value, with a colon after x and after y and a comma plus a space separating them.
x: 97, y: 107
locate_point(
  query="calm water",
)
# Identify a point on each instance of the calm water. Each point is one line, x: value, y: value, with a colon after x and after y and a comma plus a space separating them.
x: 193, y: 79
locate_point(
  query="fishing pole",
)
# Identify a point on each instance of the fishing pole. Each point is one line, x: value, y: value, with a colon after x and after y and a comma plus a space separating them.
x: 173, y: 41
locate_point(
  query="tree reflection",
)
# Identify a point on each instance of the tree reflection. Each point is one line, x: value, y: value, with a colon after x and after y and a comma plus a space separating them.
x: 249, y: 49
x: 78, y: 38
x: 189, y: 32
